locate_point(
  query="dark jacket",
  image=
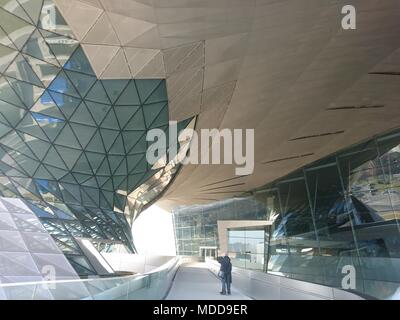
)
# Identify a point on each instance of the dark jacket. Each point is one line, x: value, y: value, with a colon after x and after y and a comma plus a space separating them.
x: 226, y: 268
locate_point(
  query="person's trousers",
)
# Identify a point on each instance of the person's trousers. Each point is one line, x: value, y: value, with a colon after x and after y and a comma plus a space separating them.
x: 226, y: 286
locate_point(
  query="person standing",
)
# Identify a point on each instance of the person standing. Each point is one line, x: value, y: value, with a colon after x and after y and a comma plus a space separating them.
x: 225, y: 274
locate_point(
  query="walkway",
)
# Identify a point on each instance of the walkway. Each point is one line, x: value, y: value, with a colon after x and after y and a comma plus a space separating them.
x: 195, y: 282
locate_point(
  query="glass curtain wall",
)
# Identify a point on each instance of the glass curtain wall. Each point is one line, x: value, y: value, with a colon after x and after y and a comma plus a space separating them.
x: 247, y: 248
x: 338, y: 212
x: 196, y: 226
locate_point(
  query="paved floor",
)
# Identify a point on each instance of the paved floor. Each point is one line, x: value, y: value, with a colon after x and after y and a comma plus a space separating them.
x: 195, y: 282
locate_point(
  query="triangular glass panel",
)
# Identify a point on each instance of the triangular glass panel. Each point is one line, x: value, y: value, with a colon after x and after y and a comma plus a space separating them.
x: 52, y: 20
x: 82, y: 165
x: 46, y: 105
x: 131, y: 138
x: 98, y: 94
x: 117, y: 181
x: 21, y: 70
x: 42, y: 173
x: 114, y: 88
x: 129, y: 96
x: 56, y: 172
x: 46, y: 186
x: 98, y: 111
x: 90, y: 197
x: 15, y: 8
x: 110, y: 121
x: 122, y: 185
x: 46, y: 72
x: 140, y: 146
x: 73, y: 190
x: 125, y: 113
x: 83, y: 116
x: 61, y: 46
x: 83, y: 132
x: 29, y: 125
x: 136, y: 122
x: 81, y: 178
x: 158, y: 95
x: 108, y: 185
x: 28, y: 164
x: 5, y: 40
x: 82, y: 82
x: 51, y: 128
x: 7, y: 55
x: 95, y: 160
x: 11, y: 113
x: 151, y: 111
x: 62, y: 84
x: 40, y: 212
x: 122, y: 168
x: 162, y: 119
x: 79, y: 62
x: 69, y: 155
x: 67, y: 138
x: 146, y: 87
x: 66, y: 104
x: 69, y: 178
x: 133, y: 160
x: 104, y: 200
x: 6, y: 184
x: 114, y: 162
x: 28, y: 184
x: 96, y: 144
x: 62, y: 214
x: 27, y: 189
x: 101, y: 180
x: 141, y: 167
x: 3, y: 120
x: 6, y: 158
x: 92, y: 182
x: 108, y: 137
x: 37, y: 47
x: 4, y: 129
x: 8, y: 94
x: 14, y: 141
x: 33, y: 8
x: 10, y: 171
x: 39, y: 147
x: 104, y: 168
x: 53, y: 158
x: 42, y: 118
x: 27, y: 93
x: 17, y: 29
x: 118, y: 147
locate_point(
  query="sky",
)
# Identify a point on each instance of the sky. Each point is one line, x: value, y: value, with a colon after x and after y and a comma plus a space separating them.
x: 153, y: 232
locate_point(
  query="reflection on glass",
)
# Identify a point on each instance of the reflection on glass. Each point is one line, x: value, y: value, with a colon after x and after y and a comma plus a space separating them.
x: 344, y: 213
x: 247, y: 248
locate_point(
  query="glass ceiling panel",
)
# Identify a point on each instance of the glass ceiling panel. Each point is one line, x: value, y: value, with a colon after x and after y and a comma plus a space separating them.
x: 69, y: 138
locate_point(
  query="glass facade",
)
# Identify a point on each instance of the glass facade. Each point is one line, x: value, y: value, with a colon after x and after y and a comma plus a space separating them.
x: 247, y: 248
x: 71, y: 145
x: 196, y: 226
x: 27, y: 252
x: 342, y: 210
